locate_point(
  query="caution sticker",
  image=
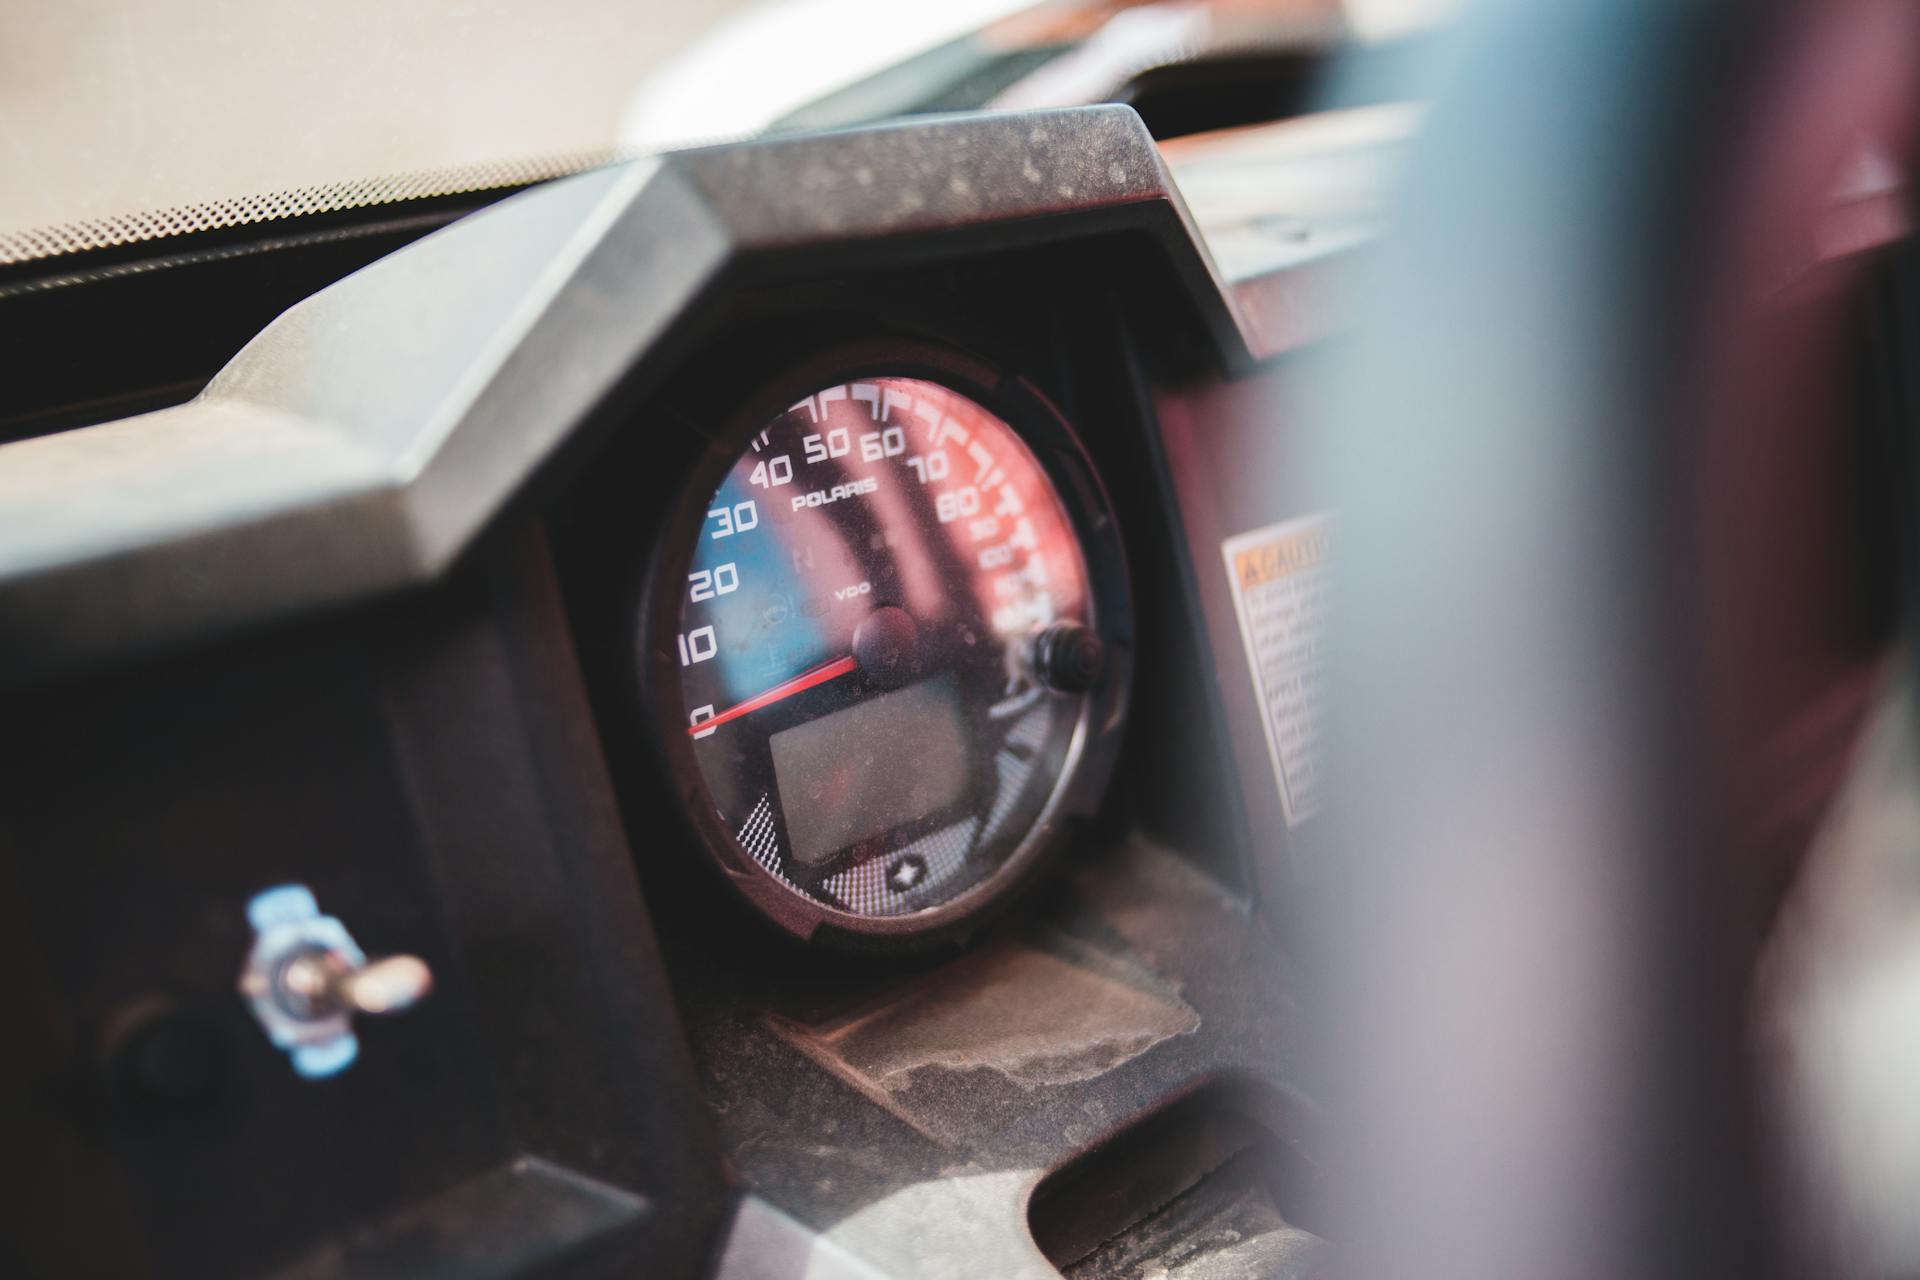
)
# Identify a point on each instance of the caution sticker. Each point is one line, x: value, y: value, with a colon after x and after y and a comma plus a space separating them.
x: 1279, y: 578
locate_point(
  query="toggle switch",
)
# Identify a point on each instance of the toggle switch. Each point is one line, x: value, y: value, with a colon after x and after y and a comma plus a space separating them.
x: 306, y: 980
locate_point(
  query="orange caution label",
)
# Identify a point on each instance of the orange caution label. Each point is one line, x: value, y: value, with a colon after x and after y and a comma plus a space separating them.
x: 1279, y: 580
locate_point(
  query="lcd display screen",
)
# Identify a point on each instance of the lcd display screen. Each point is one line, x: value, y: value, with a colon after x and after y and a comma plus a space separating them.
x: 852, y: 775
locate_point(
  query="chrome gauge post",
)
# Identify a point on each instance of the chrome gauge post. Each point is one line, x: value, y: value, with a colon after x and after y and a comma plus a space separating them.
x: 888, y: 653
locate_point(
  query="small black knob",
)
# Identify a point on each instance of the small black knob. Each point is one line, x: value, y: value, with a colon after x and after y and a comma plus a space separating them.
x: 1067, y: 657
x: 169, y: 1070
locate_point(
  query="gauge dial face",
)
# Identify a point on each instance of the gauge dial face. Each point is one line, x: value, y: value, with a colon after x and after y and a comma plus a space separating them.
x: 863, y: 649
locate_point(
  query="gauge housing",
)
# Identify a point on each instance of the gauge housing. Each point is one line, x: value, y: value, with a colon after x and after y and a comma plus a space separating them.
x: 1081, y: 782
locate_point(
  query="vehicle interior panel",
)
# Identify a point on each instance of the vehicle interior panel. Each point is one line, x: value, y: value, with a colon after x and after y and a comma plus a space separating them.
x: 1129, y: 641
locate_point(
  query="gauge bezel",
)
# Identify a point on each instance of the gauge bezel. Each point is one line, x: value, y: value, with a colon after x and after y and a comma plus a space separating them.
x: 1090, y: 756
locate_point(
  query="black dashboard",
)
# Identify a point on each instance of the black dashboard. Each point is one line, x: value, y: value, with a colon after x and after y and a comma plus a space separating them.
x: 397, y: 640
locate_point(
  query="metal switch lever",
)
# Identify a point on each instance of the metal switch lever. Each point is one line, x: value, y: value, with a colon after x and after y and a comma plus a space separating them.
x: 319, y: 983
x: 306, y: 978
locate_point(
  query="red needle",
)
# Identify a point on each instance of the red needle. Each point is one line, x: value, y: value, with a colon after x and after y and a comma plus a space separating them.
x: 785, y: 689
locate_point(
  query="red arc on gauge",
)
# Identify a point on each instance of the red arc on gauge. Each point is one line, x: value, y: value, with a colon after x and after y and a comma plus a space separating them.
x: 785, y: 689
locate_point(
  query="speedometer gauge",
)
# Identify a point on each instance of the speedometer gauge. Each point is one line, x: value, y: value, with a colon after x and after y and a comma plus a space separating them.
x: 889, y: 655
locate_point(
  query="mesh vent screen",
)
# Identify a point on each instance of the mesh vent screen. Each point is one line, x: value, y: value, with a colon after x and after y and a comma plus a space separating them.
x: 102, y: 233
